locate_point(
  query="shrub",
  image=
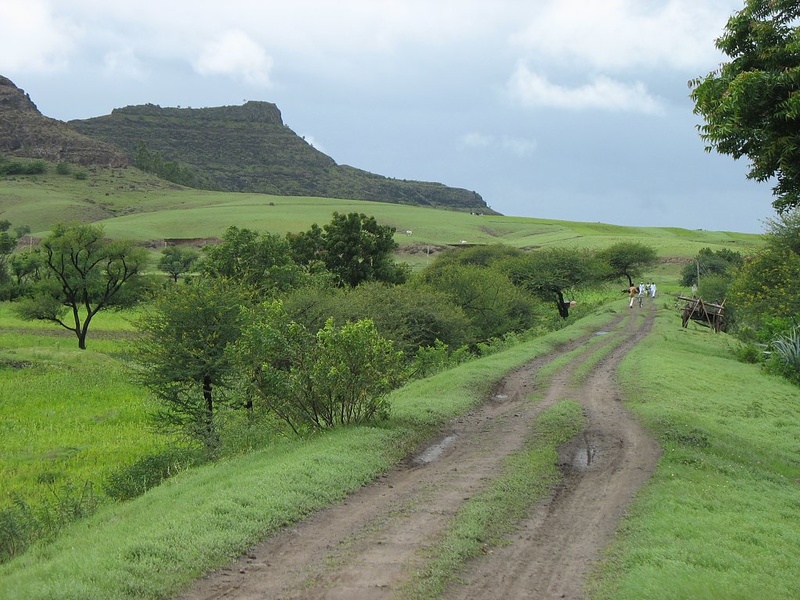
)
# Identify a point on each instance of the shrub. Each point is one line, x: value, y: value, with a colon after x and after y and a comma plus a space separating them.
x: 785, y: 360
x: 148, y: 472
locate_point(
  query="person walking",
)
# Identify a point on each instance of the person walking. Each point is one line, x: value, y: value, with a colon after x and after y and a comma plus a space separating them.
x: 632, y: 291
x: 652, y: 289
x: 642, y: 292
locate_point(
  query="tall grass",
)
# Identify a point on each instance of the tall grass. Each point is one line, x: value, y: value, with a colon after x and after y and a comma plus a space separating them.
x: 69, y: 419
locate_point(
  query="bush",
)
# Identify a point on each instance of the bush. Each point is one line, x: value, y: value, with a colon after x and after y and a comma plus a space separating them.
x: 785, y: 359
x: 17, y: 167
x: 146, y: 473
x: 748, y: 353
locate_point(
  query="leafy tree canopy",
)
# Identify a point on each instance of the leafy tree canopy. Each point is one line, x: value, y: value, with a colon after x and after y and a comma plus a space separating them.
x: 710, y: 262
x: 83, y: 273
x: 751, y: 104
x: 354, y: 247
x: 628, y: 259
x: 550, y: 272
x: 176, y: 260
x: 261, y: 261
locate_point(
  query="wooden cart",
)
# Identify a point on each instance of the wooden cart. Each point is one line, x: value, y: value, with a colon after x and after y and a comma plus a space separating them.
x: 705, y: 313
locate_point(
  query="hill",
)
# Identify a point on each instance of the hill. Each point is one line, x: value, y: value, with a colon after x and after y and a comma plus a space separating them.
x: 25, y: 132
x: 244, y: 148
x: 248, y: 148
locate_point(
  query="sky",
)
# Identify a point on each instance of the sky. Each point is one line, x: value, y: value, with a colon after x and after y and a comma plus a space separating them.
x: 555, y: 109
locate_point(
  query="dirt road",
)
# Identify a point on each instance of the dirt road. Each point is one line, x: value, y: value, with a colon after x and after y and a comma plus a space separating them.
x: 370, y: 545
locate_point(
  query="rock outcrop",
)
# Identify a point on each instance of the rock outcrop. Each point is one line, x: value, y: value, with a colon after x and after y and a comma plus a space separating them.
x: 26, y: 133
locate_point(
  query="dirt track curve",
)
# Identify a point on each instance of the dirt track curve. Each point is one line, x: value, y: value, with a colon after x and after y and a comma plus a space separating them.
x: 367, y: 547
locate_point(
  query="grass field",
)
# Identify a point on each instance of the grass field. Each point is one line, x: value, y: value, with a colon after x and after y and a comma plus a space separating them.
x: 134, y: 205
x: 719, y: 518
x: 67, y: 416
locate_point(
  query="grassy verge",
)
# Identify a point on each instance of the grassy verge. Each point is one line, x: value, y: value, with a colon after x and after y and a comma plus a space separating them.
x: 486, y: 519
x: 152, y: 546
x: 719, y: 517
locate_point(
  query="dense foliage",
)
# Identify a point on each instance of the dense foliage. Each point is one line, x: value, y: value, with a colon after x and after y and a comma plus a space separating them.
x: 183, y: 355
x: 628, y: 259
x: 766, y: 290
x: 751, y: 104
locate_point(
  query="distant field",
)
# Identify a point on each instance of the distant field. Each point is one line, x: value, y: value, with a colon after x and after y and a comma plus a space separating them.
x: 135, y: 205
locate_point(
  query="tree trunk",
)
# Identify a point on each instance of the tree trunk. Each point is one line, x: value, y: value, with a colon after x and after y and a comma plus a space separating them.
x: 211, y: 435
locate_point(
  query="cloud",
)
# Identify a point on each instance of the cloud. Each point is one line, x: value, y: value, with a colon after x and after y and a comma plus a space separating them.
x: 533, y: 90
x: 519, y: 147
x: 616, y: 35
x: 32, y: 39
x: 124, y: 63
x: 237, y: 55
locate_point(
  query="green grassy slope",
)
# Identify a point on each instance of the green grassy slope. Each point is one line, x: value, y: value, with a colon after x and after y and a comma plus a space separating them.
x: 132, y: 204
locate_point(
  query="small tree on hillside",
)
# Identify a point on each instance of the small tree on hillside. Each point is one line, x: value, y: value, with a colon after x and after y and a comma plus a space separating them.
x: 183, y: 355
x: 176, y: 260
x: 83, y: 273
x: 261, y: 261
x: 551, y: 272
x: 628, y: 259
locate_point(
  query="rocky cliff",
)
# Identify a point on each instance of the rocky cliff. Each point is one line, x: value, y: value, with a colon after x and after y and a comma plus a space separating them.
x: 25, y: 132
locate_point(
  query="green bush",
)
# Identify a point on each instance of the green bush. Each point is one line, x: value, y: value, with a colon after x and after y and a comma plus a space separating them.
x: 18, y: 167
x: 748, y: 353
x: 148, y: 472
x: 785, y: 359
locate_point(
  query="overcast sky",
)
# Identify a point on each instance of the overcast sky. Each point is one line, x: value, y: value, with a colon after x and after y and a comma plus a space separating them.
x: 557, y: 109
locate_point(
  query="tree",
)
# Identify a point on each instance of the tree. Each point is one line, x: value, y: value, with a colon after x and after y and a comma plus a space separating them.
x: 260, y: 261
x: 751, y: 104
x: 412, y: 316
x: 84, y: 273
x: 765, y: 292
x: 7, y: 245
x: 628, y: 259
x: 339, y: 376
x: 354, y: 247
x: 708, y: 262
x: 183, y: 355
x: 487, y: 296
x: 176, y: 260
x: 550, y: 272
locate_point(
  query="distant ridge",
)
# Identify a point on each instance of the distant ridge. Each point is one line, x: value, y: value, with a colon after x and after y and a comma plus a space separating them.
x: 248, y: 148
x: 25, y: 132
